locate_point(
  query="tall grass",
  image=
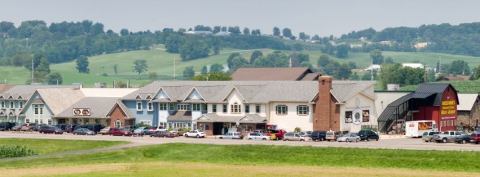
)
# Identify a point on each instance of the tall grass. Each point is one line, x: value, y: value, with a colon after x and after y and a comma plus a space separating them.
x: 9, y: 151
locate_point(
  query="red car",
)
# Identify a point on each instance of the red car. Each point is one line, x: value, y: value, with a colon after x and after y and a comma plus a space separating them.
x: 475, y: 137
x: 278, y: 134
x: 120, y: 132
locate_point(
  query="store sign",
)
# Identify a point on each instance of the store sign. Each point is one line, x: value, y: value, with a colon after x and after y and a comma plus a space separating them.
x: 448, y: 109
x: 81, y: 111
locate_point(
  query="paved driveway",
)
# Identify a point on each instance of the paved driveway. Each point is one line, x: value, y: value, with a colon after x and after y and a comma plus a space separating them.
x: 385, y: 143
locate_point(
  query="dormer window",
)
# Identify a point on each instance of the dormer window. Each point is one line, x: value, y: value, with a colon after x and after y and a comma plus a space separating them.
x: 139, y: 106
x: 138, y: 97
x: 149, y: 97
x: 235, y: 108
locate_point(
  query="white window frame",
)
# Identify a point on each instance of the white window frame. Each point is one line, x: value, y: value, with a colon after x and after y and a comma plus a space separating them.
x: 224, y: 108
x: 183, y: 107
x: 235, y: 108
x: 258, y: 108
x: 3, y: 104
x: 12, y: 104
x: 118, y: 124
x: 303, y: 110
x: 149, y: 106
x: 214, y: 108
x: 281, y: 109
x: 139, y: 103
x: 196, y: 107
x: 21, y: 104
x: 247, y: 108
x: 162, y: 106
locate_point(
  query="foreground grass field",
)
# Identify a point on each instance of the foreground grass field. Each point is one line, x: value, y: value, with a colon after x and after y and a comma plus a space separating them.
x: 181, y: 156
x: 44, y: 146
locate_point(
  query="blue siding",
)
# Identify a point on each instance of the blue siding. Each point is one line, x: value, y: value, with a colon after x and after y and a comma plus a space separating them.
x: 142, y: 115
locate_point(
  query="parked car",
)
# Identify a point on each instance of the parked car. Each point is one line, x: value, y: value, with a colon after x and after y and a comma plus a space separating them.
x: 349, y: 137
x: 277, y: 134
x: 4, y: 126
x: 463, y: 139
x: 257, y: 136
x: 152, y: 130
x: 164, y: 134
x: 306, y: 133
x: 427, y: 136
x: 368, y: 135
x: 26, y: 127
x: 331, y: 136
x: 16, y: 128
x: 318, y: 135
x: 446, y: 137
x: 120, y: 132
x: 36, y: 127
x: 231, y: 135
x: 292, y: 136
x: 140, y: 131
x: 83, y: 131
x: 194, y: 133
x: 475, y: 137
x: 105, y: 131
x: 50, y: 129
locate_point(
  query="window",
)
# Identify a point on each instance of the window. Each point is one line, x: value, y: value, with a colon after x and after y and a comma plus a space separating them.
x: 27, y: 121
x: 139, y: 106
x: 302, y: 110
x: 214, y: 108
x: 150, y: 106
x: 281, y: 109
x: 21, y: 104
x: 6, y: 104
x: 196, y: 107
x: 235, y: 108
x: 3, y: 104
x: 41, y: 121
x: 247, y: 108
x: 365, y: 116
x: 183, y: 107
x: 257, y: 108
x: 37, y: 109
x: 118, y: 124
x: 36, y: 121
x: 163, y: 106
x: 224, y: 108
x: 348, y: 116
x: 172, y: 106
x: 11, y: 104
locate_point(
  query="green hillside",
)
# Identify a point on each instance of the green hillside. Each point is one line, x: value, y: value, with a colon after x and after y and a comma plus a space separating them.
x: 161, y: 62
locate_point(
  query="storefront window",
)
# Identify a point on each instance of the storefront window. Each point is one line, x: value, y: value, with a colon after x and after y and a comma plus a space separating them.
x: 348, y: 117
x: 365, y: 116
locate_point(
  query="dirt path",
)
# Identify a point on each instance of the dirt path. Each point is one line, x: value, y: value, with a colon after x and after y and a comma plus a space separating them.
x: 212, y: 170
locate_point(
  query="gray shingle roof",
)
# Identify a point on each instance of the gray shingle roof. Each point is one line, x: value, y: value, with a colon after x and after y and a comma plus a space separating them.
x: 254, y: 91
x: 26, y: 91
x: 57, y: 99
x: 99, y: 107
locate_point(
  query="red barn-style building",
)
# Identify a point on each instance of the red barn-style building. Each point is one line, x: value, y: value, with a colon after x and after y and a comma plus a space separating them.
x: 431, y: 101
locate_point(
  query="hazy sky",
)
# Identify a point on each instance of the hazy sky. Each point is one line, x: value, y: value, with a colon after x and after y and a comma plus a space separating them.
x: 311, y: 16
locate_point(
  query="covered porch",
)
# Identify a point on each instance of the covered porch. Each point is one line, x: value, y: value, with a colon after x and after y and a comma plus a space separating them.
x: 213, y: 124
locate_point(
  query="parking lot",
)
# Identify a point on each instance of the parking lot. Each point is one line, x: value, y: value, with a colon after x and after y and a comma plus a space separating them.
x: 385, y: 142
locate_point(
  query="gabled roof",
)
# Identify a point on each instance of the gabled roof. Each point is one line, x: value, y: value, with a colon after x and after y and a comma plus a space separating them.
x: 26, y: 91
x: 58, y: 99
x: 99, y: 107
x: 270, y: 74
x: 434, y: 88
x: 467, y: 101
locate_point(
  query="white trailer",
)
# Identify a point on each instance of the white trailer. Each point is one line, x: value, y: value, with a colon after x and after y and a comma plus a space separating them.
x: 417, y: 128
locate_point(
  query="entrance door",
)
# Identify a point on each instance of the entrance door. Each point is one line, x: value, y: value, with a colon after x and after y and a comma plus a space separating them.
x: 217, y: 128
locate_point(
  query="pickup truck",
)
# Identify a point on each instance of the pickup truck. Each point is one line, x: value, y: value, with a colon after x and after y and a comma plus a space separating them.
x: 446, y: 137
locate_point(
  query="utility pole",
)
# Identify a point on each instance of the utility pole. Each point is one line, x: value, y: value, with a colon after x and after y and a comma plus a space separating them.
x: 33, y: 71
x: 174, y: 69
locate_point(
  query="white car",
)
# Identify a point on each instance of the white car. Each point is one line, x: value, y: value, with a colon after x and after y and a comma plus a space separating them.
x: 194, y: 133
x: 257, y: 136
x: 349, y: 137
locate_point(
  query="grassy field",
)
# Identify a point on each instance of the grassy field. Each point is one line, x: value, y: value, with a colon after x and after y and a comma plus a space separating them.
x: 461, y: 86
x: 270, y: 156
x: 45, y: 146
x: 161, y: 62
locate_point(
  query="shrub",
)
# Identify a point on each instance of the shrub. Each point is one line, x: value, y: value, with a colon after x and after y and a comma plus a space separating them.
x: 15, y: 151
x: 297, y: 129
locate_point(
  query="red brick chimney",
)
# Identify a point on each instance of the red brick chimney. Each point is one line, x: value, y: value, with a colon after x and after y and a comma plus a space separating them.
x: 326, y: 113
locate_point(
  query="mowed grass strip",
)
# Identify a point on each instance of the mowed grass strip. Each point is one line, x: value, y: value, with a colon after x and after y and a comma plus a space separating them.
x: 274, y: 155
x: 190, y: 169
x: 46, y: 146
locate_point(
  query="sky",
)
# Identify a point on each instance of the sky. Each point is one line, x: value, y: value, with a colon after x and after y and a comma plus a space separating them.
x: 322, y: 17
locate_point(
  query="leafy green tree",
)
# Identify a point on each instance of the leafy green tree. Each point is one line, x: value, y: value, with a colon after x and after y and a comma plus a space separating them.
x: 215, y: 68
x: 115, y: 69
x: 377, y: 57
x: 246, y: 31
x: 287, y: 32
x: 82, y: 64
x: 54, y: 79
x: 193, y: 49
x: 173, y: 43
x: 342, y: 51
x: 235, y: 61
x: 140, y: 66
x: 459, y: 67
x: 323, y: 60
x: 218, y: 76
x: 354, y: 76
x: 43, y: 66
x: 275, y: 59
x: 188, y: 73
x: 255, y: 55
x: 476, y: 73
x: 303, y: 36
x: 299, y: 59
x: 204, y: 70
x: 276, y: 31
